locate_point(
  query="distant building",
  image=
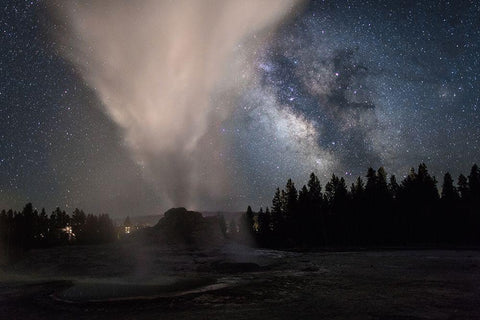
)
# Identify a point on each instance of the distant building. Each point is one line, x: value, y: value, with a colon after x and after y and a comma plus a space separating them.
x: 127, y: 225
x: 128, y: 228
x: 68, y: 232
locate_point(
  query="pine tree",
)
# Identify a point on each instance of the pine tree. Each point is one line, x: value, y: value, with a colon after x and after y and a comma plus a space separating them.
x: 449, y: 191
x: 393, y: 186
x: 314, y: 191
x: 474, y: 183
x: 78, y: 223
x: 450, y: 229
x: 284, y: 204
x: 246, y: 223
x: 427, y: 183
x: 371, y: 185
x: 463, y: 187
x: 303, y: 198
x: 29, y: 221
x: 268, y: 221
x: 330, y: 189
x: 381, y: 182
x: 250, y: 216
x: 291, y: 197
x: 43, y: 225
x: 264, y: 231
x: 91, y: 229
x: 106, y: 229
x: 357, y: 189
x: 276, y: 211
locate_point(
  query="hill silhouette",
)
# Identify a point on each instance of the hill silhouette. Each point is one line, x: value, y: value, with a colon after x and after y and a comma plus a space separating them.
x: 180, y: 226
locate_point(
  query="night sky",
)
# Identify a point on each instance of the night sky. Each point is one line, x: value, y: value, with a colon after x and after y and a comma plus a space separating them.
x: 337, y: 87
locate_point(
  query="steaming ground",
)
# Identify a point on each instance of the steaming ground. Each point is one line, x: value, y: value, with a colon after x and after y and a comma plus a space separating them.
x: 129, y: 281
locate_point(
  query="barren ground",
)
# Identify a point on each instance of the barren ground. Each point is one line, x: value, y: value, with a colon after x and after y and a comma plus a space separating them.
x: 129, y: 281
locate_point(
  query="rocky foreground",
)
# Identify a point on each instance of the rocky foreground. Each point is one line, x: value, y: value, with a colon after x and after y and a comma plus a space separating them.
x: 129, y: 281
x: 184, y: 268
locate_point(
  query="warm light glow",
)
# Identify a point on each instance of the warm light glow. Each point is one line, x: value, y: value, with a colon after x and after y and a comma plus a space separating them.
x: 68, y: 230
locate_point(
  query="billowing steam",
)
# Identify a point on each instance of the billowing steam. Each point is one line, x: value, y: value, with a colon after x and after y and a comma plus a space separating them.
x: 167, y: 73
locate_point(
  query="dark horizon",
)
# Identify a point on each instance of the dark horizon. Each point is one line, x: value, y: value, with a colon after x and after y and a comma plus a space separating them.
x: 374, y: 212
x: 349, y: 180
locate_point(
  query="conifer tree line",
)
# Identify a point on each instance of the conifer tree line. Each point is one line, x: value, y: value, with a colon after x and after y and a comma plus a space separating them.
x: 377, y: 211
x: 32, y: 229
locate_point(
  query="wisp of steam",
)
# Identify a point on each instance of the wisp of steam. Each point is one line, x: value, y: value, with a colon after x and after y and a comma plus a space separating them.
x: 167, y: 73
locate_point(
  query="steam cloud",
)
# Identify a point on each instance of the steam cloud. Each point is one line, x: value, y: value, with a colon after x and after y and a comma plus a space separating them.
x: 167, y: 73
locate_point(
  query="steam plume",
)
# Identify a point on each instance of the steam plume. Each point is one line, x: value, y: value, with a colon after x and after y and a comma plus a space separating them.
x: 159, y: 67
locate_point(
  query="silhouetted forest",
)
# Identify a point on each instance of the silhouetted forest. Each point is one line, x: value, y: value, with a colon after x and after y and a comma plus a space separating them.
x: 32, y: 229
x: 376, y: 212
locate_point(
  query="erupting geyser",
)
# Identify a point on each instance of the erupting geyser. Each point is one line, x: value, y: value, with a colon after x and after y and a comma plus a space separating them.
x: 167, y: 73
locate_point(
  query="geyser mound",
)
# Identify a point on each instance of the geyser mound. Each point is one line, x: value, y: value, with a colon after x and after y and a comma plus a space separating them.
x: 182, y: 227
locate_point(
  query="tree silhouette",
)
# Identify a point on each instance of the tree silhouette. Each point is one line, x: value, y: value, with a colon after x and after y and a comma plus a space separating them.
x: 264, y: 234
x: 336, y: 198
x: 106, y: 229
x: 449, y: 191
x: 474, y: 183
x: 246, y: 226
x: 20, y: 231
x: 43, y: 223
x: 276, y: 216
x: 473, y: 204
x: 78, y: 224
x: 393, y: 187
x: 290, y: 210
x: 449, y: 227
x: 463, y: 187
x: 374, y: 213
x: 316, y: 218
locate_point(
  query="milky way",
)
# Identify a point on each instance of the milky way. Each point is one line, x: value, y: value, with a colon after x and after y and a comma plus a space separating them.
x: 380, y: 85
x: 336, y: 88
